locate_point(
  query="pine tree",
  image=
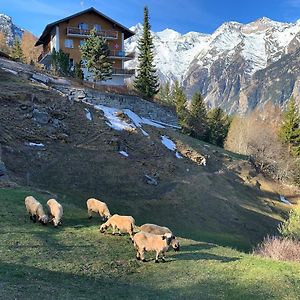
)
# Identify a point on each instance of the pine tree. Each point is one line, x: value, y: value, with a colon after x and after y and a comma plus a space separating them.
x: 60, y: 63
x: 218, y: 123
x: 165, y: 94
x: 289, y: 132
x: 16, y: 51
x: 94, y: 55
x: 180, y: 101
x: 78, y: 72
x: 146, y: 81
x: 197, y: 122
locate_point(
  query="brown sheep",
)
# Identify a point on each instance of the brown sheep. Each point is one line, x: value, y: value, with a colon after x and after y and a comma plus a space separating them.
x: 121, y: 223
x: 97, y: 206
x: 35, y: 210
x: 56, y: 211
x: 144, y: 242
x: 155, y: 229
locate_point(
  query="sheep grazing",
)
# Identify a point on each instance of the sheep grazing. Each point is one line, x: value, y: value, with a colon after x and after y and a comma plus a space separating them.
x: 144, y: 241
x: 121, y: 223
x: 35, y: 210
x: 97, y: 206
x: 56, y: 212
x: 155, y: 229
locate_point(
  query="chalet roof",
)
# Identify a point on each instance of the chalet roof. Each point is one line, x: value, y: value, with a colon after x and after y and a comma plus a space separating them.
x: 127, y: 32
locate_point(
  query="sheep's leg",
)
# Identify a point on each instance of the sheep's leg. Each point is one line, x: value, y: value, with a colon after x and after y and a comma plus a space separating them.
x: 113, y: 229
x: 131, y: 235
x: 90, y: 213
x: 163, y: 257
x: 33, y: 218
x: 142, y: 254
x: 138, y: 256
x: 157, y: 256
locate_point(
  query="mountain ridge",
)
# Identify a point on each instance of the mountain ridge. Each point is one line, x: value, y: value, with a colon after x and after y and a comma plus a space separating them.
x: 222, y: 65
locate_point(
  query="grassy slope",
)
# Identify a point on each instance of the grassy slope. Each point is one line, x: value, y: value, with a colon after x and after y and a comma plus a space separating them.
x: 81, y: 160
x: 79, y: 263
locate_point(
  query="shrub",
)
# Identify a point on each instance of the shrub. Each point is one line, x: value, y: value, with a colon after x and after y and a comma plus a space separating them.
x: 279, y: 248
x: 291, y: 227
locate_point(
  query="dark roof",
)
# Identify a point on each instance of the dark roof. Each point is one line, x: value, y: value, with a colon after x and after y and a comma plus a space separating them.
x: 127, y: 32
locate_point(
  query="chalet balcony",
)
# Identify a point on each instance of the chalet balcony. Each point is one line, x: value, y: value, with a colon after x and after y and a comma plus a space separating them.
x: 126, y: 72
x: 119, y: 54
x: 45, y: 57
x: 84, y: 33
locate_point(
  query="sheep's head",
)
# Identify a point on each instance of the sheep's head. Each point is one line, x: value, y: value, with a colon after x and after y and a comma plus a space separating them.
x: 175, y: 244
x: 103, y: 227
x: 107, y: 216
x: 168, y: 237
x: 43, y: 219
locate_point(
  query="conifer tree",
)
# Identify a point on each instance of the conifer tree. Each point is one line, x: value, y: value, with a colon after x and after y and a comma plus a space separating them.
x: 180, y: 101
x: 218, y: 123
x: 16, y: 51
x: 78, y: 73
x: 146, y: 81
x: 95, y: 53
x: 289, y: 132
x: 60, y: 62
x: 165, y: 94
x: 197, y: 120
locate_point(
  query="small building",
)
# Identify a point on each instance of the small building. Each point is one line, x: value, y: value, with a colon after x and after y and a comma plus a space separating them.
x: 69, y: 33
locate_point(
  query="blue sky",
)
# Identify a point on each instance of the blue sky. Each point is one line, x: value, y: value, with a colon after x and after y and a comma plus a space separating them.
x: 180, y: 15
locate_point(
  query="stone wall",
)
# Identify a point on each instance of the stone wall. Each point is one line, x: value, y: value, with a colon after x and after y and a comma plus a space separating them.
x: 140, y: 106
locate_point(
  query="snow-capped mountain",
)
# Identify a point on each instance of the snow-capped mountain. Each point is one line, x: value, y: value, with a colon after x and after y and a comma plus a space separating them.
x: 224, y: 65
x: 10, y: 30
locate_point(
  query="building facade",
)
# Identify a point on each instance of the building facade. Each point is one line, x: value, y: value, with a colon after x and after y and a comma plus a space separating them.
x: 69, y: 33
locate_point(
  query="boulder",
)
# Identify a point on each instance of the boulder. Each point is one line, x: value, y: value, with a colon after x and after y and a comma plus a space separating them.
x: 41, y: 116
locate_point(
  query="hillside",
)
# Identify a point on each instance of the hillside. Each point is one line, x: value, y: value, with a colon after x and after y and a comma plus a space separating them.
x: 49, y: 142
x: 224, y: 65
x: 77, y: 262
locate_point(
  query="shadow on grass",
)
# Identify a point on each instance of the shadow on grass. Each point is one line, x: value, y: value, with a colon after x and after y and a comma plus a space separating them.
x: 196, y: 252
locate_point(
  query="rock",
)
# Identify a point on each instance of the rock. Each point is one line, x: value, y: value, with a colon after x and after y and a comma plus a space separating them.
x: 79, y: 95
x: 40, y: 77
x: 41, y: 117
x: 150, y: 180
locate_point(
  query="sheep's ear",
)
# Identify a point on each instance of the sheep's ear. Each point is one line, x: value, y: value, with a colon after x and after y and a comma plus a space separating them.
x: 173, y: 237
x: 163, y: 237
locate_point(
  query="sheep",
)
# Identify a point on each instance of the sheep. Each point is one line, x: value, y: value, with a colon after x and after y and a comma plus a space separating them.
x: 35, y: 210
x: 121, y: 223
x: 97, y: 206
x: 155, y: 229
x: 144, y: 241
x: 56, y: 211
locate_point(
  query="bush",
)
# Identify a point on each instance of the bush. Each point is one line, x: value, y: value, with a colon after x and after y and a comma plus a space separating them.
x: 279, y: 248
x: 291, y: 227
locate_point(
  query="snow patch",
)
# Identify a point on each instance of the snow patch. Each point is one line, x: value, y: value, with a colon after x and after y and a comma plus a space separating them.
x: 9, y: 71
x: 284, y: 200
x: 35, y: 144
x: 88, y: 114
x: 124, y: 153
x: 168, y: 143
x: 113, y: 120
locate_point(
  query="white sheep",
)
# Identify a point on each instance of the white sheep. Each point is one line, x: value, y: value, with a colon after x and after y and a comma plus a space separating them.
x: 121, y: 223
x: 97, y: 206
x: 35, y: 210
x: 155, y: 229
x: 56, y: 211
x: 144, y: 241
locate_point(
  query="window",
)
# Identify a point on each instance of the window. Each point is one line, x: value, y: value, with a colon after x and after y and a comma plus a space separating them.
x: 69, y: 44
x: 97, y: 27
x: 83, y: 26
x: 82, y: 42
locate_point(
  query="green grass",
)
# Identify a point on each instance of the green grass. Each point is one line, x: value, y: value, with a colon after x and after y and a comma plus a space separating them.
x: 77, y: 262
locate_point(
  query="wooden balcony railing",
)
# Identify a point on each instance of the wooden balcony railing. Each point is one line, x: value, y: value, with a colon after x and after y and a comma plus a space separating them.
x: 74, y: 31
